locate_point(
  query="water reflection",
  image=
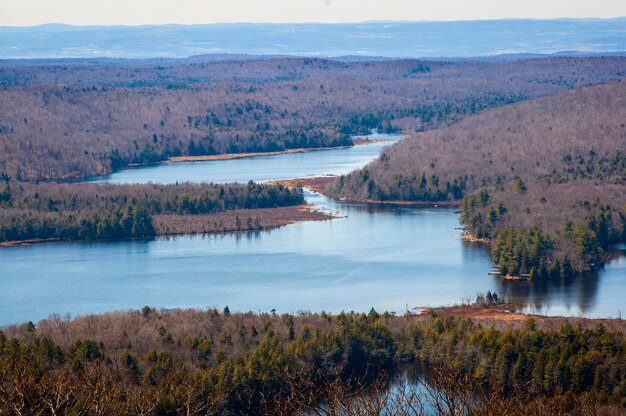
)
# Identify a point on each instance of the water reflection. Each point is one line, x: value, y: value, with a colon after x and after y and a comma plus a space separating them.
x: 577, y: 294
x: 583, y: 295
x: 258, y: 169
x: 389, y: 258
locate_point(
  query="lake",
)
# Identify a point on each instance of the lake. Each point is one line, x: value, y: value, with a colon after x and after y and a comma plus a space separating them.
x: 389, y: 258
x: 259, y: 169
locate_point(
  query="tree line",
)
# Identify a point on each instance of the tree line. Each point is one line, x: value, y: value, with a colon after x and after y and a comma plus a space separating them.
x: 86, y: 211
x: 210, y: 362
x: 78, y: 119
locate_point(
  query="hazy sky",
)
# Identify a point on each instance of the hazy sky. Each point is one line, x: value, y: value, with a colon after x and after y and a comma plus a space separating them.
x: 135, y: 12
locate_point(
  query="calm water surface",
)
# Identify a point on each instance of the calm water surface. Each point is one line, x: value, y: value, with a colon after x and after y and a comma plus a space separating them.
x: 386, y: 258
x: 259, y: 169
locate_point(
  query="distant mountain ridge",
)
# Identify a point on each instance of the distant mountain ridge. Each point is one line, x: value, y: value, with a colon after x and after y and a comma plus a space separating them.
x: 381, y: 39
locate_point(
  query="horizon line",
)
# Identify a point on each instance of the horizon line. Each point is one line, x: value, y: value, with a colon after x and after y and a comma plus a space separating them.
x: 254, y: 56
x: 319, y: 22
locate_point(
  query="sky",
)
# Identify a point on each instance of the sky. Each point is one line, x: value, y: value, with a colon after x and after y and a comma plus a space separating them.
x: 139, y: 12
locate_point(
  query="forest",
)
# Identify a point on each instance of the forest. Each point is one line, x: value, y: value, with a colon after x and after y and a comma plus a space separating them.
x: 543, y: 180
x: 548, y: 230
x: 63, y: 119
x: 30, y: 211
x: 554, y: 145
x: 575, y: 135
x: 210, y: 362
x: 533, y: 151
x: 78, y: 118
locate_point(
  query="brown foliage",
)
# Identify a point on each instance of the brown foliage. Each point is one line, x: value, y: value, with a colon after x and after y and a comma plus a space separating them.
x: 86, y: 211
x: 78, y: 118
x: 574, y: 135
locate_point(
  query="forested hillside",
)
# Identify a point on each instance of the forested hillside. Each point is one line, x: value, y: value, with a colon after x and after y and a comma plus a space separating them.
x: 192, y: 362
x: 544, y: 179
x: 548, y: 230
x: 77, y: 118
x: 575, y: 135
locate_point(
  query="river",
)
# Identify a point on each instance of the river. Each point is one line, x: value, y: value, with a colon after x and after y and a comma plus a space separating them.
x: 389, y: 258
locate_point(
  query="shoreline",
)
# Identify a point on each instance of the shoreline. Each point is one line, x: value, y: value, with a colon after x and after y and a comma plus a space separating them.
x: 35, y: 241
x: 273, y: 217
x: 507, y: 315
x: 318, y: 184
x: 223, y: 156
x: 523, y: 277
x: 231, y: 156
x: 422, y: 204
x: 358, y: 141
x: 471, y: 239
x: 501, y: 316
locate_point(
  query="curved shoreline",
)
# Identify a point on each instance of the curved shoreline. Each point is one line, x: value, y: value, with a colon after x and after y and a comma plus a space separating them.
x: 319, y: 183
x: 509, y: 315
x: 278, y: 217
x: 270, y: 218
x: 231, y: 156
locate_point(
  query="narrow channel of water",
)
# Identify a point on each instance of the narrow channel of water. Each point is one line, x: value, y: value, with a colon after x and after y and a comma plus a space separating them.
x: 389, y: 258
x: 258, y: 169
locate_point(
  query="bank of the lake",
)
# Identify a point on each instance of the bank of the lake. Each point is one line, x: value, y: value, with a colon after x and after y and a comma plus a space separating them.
x: 358, y: 141
x: 24, y: 220
x: 509, y: 316
x: 388, y: 257
x: 320, y: 185
x: 260, y: 168
x: 231, y: 221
